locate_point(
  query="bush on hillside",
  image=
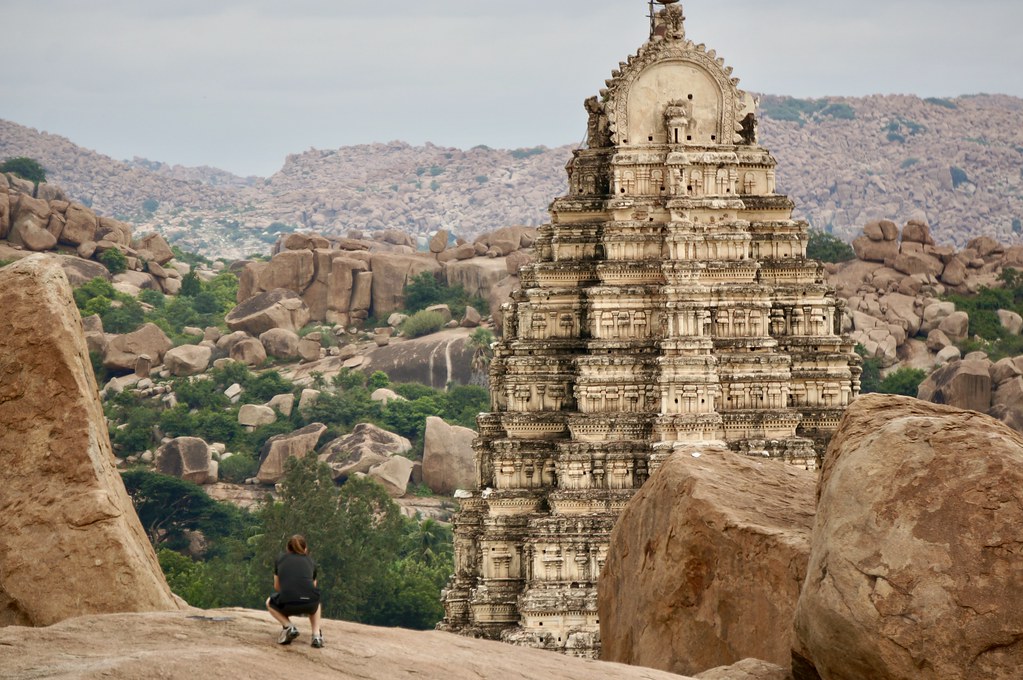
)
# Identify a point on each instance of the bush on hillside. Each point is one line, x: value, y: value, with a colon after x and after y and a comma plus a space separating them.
x: 422, y: 323
x: 828, y: 248
x: 114, y: 260
x: 25, y: 168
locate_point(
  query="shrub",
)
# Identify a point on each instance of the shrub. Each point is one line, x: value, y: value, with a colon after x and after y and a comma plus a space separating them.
x: 840, y: 111
x: 828, y: 248
x: 905, y: 381
x: 25, y: 168
x: 422, y: 323
x: 150, y: 205
x: 114, y: 260
x: 153, y: 298
x: 944, y: 103
x: 238, y: 468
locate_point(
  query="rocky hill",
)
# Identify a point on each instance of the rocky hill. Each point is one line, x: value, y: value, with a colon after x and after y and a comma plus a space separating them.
x: 846, y: 161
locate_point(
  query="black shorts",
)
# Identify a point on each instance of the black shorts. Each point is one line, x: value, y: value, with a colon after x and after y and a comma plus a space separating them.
x: 294, y: 608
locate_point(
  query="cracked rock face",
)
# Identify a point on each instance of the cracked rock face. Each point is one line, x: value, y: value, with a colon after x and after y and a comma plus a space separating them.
x: 70, y: 542
x: 915, y: 565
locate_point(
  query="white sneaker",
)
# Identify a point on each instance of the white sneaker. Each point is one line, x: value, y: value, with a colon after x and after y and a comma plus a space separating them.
x: 287, y: 635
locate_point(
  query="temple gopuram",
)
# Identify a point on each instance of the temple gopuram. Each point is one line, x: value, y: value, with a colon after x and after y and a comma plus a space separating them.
x: 671, y: 301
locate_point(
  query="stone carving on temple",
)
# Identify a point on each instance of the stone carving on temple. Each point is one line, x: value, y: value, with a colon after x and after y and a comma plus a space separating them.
x: 671, y: 302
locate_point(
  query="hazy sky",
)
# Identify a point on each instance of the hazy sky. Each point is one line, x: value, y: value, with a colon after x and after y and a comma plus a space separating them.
x: 239, y: 84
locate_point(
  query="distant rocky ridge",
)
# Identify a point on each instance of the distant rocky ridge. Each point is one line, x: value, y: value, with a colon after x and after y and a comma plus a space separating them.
x: 845, y: 161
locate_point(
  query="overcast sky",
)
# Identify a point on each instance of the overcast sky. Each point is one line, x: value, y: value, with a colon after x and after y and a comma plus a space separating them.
x: 238, y: 84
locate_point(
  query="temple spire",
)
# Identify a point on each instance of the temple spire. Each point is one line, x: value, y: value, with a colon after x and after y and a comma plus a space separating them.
x: 668, y: 22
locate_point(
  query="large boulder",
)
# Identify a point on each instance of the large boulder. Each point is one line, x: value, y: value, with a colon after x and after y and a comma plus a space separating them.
x: 249, y: 352
x: 280, y: 342
x: 435, y: 360
x: 187, y: 360
x: 393, y: 474
x: 79, y: 271
x: 124, y: 350
x: 874, y: 251
x: 340, y: 286
x: 154, y: 247
x: 279, y: 448
x: 274, y: 309
x: 359, y: 451
x: 70, y: 541
x: 391, y: 273
x: 476, y: 276
x: 449, y: 463
x: 917, y: 231
x: 914, y: 569
x: 962, y: 384
x: 291, y: 269
x: 186, y: 458
x: 80, y: 226
x: 705, y: 563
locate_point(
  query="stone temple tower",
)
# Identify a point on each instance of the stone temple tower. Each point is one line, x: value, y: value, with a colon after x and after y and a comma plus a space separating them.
x: 671, y: 301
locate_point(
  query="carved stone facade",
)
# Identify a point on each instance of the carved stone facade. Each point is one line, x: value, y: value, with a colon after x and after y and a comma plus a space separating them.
x: 671, y: 301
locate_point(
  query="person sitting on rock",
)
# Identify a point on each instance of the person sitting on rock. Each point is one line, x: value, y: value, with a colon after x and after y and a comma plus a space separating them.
x: 297, y: 594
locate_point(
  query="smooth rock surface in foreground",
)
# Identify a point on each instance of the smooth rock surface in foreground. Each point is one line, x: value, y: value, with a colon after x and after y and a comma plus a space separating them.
x: 70, y: 542
x: 174, y: 646
x: 705, y: 563
x: 916, y: 569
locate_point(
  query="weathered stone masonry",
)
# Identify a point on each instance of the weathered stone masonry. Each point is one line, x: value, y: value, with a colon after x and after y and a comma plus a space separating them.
x: 671, y: 301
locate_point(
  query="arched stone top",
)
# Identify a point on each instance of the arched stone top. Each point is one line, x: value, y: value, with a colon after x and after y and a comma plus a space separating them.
x: 668, y: 50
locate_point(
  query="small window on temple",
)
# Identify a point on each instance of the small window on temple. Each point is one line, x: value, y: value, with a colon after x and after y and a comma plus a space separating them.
x: 676, y: 135
x: 650, y: 138
x: 689, y: 138
x: 713, y: 137
x: 690, y: 97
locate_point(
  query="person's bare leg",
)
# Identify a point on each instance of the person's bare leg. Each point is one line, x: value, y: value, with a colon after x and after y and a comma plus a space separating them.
x: 314, y: 621
x: 281, y: 618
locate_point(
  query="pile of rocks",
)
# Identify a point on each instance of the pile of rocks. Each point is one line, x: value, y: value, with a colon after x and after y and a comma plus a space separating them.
x: 894, y: 289
x: 346, y: 280
x: 39, y: 219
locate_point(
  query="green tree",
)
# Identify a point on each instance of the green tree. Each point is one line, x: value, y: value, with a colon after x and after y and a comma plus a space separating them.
x: 828, y: 248
x: 191, y: 285
x: 870, y: 380
x: 353, y: 533
x: 25, y: 168
x: 114, y: 260
x: 480, y: 342
x: 905, y: 381
x: 168, y: 507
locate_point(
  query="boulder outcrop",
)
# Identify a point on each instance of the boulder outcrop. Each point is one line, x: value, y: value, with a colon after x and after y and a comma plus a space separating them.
x: 186, y: 458
x: 914, y: 567
x: 279, y: 448
x: 706, y: 562
x: 123, y: 351
x: 70, y: 542
x: 449, y: 463
x: 363, y: 448
x: 277, y: 308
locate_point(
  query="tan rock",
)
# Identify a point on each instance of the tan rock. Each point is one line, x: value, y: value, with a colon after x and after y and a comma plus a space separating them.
x: 280, y: 342
x: 186, y: 458
x: 705, y: 563
x: 471, y: 318
x: 956, y: 326
x: 747, y: 669
x: 963, y: 384
x: 292, y: 270
x: 115, y: 231
x: 156, y: 248
x: 186, y: 360
x: 80, y: 272
x: 279, y: 448
x: 449, y: 463
x: 278, y: 308
x: 1010, y: 321
x: 60, y: 482
x: 254, y: 415
x: 393, y: 474
x: 986, y: 246
x: 937, y: 341
x: 911, y: 263
x: 913, y: 573
x: 917, y: 231
x: 248, y: 280
x: 80, y: 227
x: 935, y: 313
x: 439, y: 241
x: 227, y: 644
x: 249, y: 352
x: 362, y: 292
x: 5, y: 209
x: 30, y: 236
x: 1003, y: 370
x: 477, y: 276
x: 340, y: 285
x: 889, y: 230
x: 954, y: 273
x: 873, y: 231
x: 365, y: 447
x: 55, y: 225
x: 874, y: 251
x: 123, y: 350
x: 309, y: 348
x: 1007, y: 403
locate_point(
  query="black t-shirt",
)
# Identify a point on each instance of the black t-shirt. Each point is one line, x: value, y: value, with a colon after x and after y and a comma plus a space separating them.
x: 296, y: 574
